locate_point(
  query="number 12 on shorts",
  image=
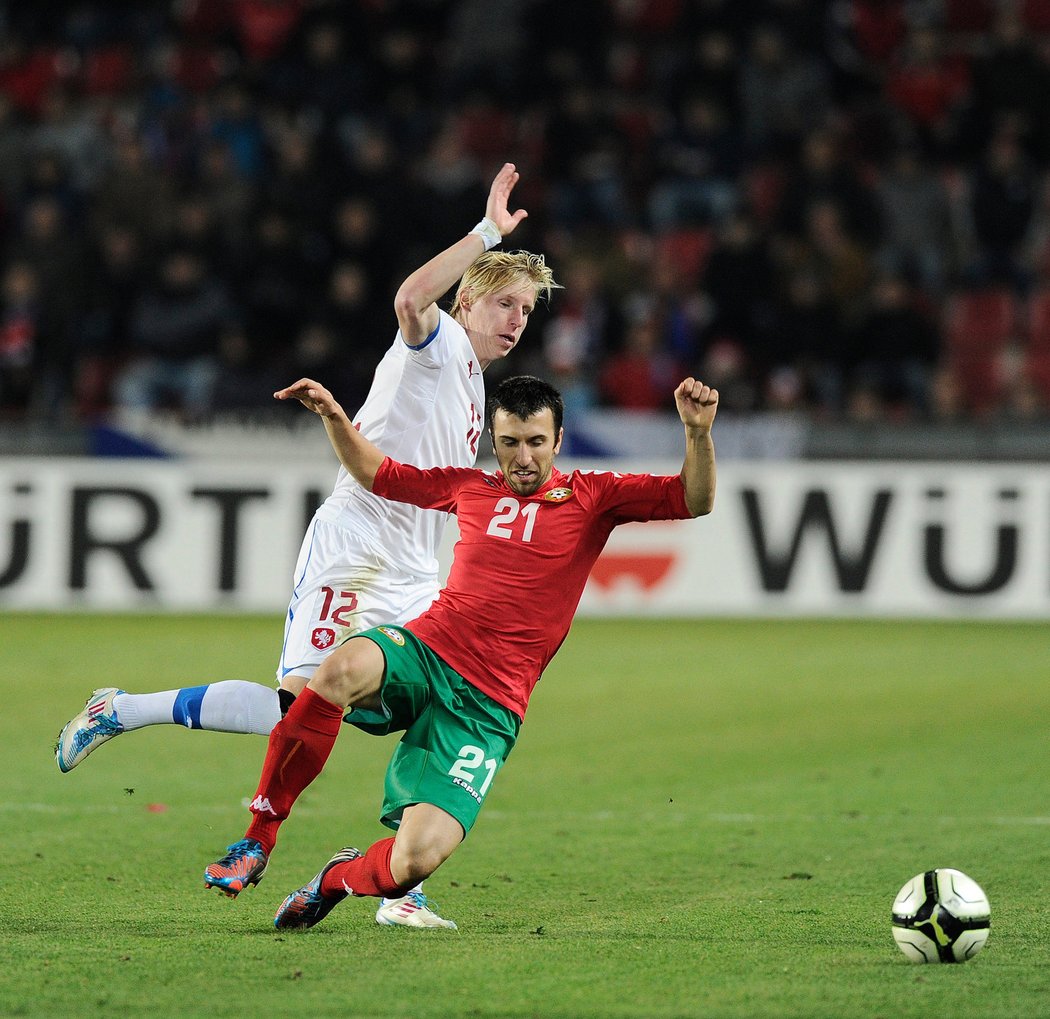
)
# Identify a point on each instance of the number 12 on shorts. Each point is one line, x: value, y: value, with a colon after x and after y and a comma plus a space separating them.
x: 467, y: 767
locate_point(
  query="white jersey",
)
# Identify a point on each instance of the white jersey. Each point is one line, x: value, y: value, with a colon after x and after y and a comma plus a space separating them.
x: 425, y: 408
x: 365, y: 561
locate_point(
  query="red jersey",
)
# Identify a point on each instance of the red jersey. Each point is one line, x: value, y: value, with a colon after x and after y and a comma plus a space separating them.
x: 521, y: 562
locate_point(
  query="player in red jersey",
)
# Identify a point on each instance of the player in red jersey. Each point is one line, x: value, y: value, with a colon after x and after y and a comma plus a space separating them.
x: 458, y: 678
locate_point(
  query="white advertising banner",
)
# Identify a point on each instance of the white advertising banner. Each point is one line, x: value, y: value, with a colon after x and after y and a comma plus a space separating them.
x: 786, y: 538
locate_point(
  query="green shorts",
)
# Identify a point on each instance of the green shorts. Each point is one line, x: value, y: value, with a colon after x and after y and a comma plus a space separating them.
x: 456, y: 737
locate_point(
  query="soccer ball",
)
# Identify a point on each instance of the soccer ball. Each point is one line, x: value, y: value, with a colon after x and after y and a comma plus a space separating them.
x: 941, y: 916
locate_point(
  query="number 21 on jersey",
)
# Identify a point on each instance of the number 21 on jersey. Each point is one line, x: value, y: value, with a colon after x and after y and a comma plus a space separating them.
x: 507, y: 516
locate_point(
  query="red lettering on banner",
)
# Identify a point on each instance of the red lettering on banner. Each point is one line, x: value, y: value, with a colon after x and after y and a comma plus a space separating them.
x: 646, y: 568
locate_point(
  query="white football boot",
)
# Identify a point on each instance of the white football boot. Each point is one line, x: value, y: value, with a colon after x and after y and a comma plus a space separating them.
x: 412, y: 910
x: 95, y: 724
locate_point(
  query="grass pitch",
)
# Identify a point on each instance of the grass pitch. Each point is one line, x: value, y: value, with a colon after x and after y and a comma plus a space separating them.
x: 700, y: 819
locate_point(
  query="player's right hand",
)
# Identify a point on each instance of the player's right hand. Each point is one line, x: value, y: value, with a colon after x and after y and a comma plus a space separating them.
x: 499, y: 195
x: 312, y: 395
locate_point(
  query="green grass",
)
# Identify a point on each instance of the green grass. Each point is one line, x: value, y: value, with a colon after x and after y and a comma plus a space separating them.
x: 700, y: 819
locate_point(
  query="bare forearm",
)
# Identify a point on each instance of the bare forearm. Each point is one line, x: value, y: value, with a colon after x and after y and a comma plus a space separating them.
x: 355, y: 452
x: 415, y: 303
x: 698, y: 471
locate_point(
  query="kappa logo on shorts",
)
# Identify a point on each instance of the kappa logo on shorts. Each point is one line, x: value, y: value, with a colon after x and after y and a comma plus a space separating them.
x: 394, y: 635
x: 323, y: 638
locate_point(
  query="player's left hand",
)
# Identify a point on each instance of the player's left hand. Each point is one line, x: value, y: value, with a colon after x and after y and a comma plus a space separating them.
x: 697, y: 403
x: 312, y: 395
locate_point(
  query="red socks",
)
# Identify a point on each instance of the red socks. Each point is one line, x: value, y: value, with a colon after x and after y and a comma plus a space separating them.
x: 299, y: 746
x: 367, y: 875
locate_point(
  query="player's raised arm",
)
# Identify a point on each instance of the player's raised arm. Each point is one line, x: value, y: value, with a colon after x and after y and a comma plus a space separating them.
x: 355, y: 452
x: 697, y: 405
x: 415, y: 303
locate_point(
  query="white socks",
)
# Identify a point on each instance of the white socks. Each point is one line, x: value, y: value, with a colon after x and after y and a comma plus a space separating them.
x: 230, y: 706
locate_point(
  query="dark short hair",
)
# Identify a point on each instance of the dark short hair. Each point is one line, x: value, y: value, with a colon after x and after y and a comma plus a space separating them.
x: 523, y: 396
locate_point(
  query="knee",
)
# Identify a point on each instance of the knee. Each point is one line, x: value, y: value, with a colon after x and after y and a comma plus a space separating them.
x: 351, y: 674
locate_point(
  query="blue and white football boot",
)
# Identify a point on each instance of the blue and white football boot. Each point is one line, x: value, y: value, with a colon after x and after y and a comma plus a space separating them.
x: 96, y: 724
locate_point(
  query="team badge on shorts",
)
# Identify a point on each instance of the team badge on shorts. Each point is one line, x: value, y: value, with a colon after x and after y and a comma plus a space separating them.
x: 394, y: 635
x: 558, y: 494
x: 323, y: 638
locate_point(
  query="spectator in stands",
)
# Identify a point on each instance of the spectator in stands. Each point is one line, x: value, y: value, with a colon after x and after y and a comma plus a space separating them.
x: 1003, y: 194
x: 51, y: 244
x: 244, y: 378
x: 579, y: 333
x: 1006, y: 84
x: 928, y: 86
x: 739, y: 279
x: 274, y: 289
x: 133, y: 191
x: 230, y: 196
x: 711, y: 68
x: 698, y: 159
x: 894, y: 352
x: 785, y: 93
x: 841, y: 263
x: 20, y: 337
x: 321, y: 75
x: 69, y: 129
x: 586, y: 162
x: 916, y: 218
x: 822, y: 173
x: 808, y: 340
x: 116, y: 273
x: 634, y: 378
x: 353, y: 332
x: 176, y: 326
x: 13, y: 151
x: 235, y: 123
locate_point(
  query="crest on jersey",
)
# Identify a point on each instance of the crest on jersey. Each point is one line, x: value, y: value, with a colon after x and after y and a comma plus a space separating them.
x: 397, y: 637
x: 323, y: 638
x: 558, y: 494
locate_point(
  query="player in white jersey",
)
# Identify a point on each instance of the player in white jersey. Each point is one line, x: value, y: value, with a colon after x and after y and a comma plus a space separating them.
x: 364, y: 560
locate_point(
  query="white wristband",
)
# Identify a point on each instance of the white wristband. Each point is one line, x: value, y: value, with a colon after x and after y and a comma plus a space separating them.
x: 489, y: 233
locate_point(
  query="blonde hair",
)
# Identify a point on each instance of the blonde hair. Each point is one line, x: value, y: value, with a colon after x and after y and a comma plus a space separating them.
x: 496, y: 270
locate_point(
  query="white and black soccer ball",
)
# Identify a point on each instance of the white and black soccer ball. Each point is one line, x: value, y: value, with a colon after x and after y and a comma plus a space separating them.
x: 941, y: 916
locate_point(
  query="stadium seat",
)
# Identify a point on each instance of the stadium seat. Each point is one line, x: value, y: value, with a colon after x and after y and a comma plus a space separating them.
x: 687, y: 251
x: 763, y: 187
x: 108, y: 70
x: 1037, y: 341
x: 1036, y: 15
x: 977, y: 327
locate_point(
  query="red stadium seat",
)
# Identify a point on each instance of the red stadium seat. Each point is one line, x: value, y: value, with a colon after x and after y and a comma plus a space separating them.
x: 108, y: 70
x: 978, y: 325
x: 1037, y: 368
x: 1036, y: 15
x: 686, y: 251
x: 970, y: 16
x: 1037, y: 323
x: 979, y: 321
x: 1037, y: 341
x: 763, y: 187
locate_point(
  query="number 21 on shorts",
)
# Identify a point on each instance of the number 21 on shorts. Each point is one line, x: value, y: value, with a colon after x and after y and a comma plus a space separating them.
x: 468, y: 767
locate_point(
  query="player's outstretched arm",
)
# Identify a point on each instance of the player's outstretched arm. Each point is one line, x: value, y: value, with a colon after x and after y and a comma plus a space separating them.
x: 697, y: 405
x: 415, y: 303
x: 355, y: 452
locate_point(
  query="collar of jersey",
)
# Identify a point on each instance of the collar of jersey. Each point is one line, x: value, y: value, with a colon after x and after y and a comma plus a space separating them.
x: 556, y: 480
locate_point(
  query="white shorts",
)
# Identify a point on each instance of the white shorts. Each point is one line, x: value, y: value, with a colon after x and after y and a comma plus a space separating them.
x: 342, y: 586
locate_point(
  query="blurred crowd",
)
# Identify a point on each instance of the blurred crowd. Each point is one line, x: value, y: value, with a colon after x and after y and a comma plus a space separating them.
x: 839, y: 208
